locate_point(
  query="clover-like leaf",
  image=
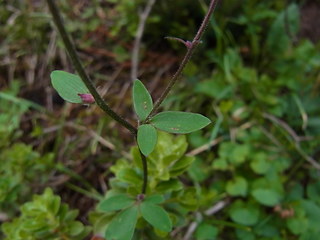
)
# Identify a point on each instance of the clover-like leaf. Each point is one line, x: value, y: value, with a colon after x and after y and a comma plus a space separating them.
x: 142, y: 101
x: 116, y: 202
x: 179, y: 122
x: 156, y: 216
x: 147, y: 138
x: 237, y: 187
x: 122, y: 226
x: 69, y: 86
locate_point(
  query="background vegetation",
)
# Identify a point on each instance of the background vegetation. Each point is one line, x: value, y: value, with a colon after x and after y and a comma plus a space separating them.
x: 254, y: 173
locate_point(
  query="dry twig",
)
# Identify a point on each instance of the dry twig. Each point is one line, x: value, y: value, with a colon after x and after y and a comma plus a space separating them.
x: 136, y: 47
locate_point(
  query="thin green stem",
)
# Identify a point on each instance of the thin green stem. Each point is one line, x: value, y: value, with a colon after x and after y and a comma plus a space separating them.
x: 145, y: 173
x: 78, y: 66
x: 191, y: 48
x: 84, y: 191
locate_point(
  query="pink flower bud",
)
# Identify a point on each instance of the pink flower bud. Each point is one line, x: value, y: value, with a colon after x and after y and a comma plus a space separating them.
x: 86, y: 98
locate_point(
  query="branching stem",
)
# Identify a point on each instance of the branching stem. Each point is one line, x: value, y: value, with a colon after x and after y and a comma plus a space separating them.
x: 100, y: 102
x: 191, y: 48
x: 78, y: 66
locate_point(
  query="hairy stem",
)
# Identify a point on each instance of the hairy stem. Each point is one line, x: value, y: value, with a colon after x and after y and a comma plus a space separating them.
x: 191, y: 48
x: 78, y: 66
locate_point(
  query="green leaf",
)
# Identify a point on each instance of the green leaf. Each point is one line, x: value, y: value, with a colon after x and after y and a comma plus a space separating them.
x: 197, y: 171
x: 244, y: 234
x: 181, y: 165
x: 114, y: 203
x: 169, y: 186
x: 68, y: 86
x: 313, y: 191
x: 268, y: 197
x: 189, y: 198
x: 179, y: 122
x: 129, y: 175
x: 142, y: 101
x: 156, y: 216
x: 220, y: 164
x: 298, y: 225
x: 75, y: 228
x: 245, y: 214
x: 288, y: 20
x: 269, y: 231
x: 312, y: 211
x: 122, y: 225
x: 237, y: 187
x: 237, y: 153
x: 155, y: 199
x: 206, y: 232
x: 147, y: 138
x: 168, y: 150
x: 260, y: 164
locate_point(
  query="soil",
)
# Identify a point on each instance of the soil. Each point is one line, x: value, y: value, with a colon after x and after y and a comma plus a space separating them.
x: 310, y: 21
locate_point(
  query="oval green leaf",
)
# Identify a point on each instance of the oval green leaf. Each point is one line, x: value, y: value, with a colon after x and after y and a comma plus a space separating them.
x: 268, y: 197
x: 142, y: 101
x: 245, y: 215
x: 147, y: 138
x: 68, y: 86
x: 115, y: 203
x: 156, y: 216
x: 122, y: 225
x: 179, y: 122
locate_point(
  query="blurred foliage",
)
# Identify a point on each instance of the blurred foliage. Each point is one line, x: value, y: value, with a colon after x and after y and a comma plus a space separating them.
x: 20, y: 169
x: 11, y: 109
x: 252, y: 75
x: 45, y: 217
x: 20, y: 38
x: 20, y: 166
x: 264, y: 93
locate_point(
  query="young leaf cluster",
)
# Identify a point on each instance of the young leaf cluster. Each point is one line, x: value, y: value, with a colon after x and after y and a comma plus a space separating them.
x: 165, y: 164
x: 45, y: 217
x: 20, y: 168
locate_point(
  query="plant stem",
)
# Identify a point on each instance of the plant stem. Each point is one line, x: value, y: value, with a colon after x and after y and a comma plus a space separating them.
x: 145, y: 173
x: 191, y: 48
x: 78, y: 66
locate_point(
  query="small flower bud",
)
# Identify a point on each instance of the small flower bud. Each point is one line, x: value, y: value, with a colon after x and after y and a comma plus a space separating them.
x: 86, y: 98
x: 188, y: 44
x: 140, y: 197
